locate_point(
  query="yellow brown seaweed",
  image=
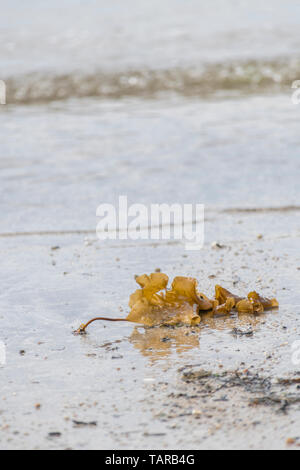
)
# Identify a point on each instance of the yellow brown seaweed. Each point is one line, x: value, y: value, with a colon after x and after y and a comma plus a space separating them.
x: 155, y: 304
x: 181, y: 304
x: 266, y: 303
x: 223, y: 294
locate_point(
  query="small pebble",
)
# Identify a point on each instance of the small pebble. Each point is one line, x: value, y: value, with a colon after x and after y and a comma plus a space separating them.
x: 290, y: 441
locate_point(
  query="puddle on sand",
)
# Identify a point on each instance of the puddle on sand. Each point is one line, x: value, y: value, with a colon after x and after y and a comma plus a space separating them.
x: 163, y: 342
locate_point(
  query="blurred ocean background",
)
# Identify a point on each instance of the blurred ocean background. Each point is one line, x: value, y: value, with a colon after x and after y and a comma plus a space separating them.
x: 173, y: 101
x: 169, y: 101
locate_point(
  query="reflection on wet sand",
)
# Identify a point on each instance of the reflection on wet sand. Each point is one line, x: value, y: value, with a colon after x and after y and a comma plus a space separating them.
x: 160, y: 341
x: 241, y: 321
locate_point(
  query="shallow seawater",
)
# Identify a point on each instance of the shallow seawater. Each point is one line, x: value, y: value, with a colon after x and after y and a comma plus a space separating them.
x: 172, y: 103
x: 60, y: 162
x: 71, y: 48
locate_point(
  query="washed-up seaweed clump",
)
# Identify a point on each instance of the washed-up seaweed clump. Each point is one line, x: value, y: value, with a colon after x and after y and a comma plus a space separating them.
x: 156, y: 304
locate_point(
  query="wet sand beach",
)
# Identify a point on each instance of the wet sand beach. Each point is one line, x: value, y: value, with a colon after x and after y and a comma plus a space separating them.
x: 202, y: 115
x: 229, y: 383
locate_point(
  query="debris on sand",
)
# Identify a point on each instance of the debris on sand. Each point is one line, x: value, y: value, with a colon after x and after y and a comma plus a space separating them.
x: 54, y: 434
x: 263, y: 389
x: 192, y: 376
x: 239, y: 332
x: 290, y: 441
x: 253, y: 383
x: 283, y: 401
x: 292, y: 381
x: 217, y: 246
x: 82, y: 424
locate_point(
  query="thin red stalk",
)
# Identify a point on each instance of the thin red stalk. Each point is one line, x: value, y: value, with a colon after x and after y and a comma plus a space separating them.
x: 82, y: 328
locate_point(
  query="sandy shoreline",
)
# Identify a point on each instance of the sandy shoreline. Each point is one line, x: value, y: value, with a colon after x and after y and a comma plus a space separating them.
x: 230, y: 383
x: 187, y: 103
